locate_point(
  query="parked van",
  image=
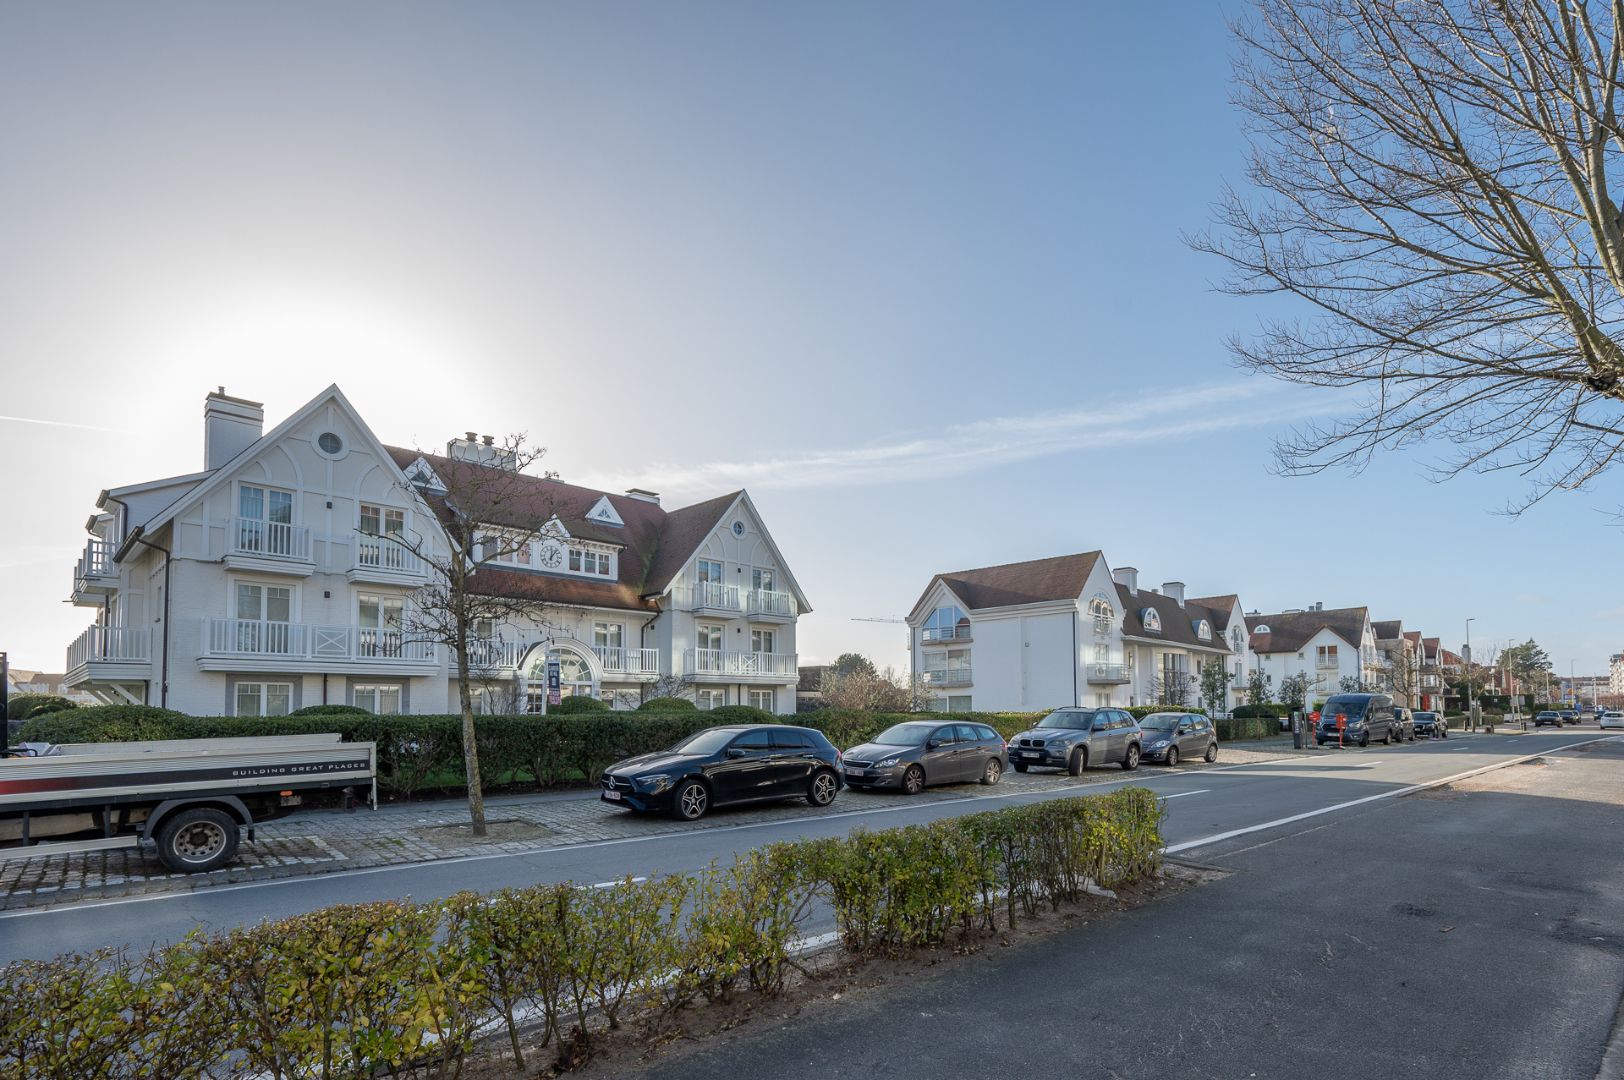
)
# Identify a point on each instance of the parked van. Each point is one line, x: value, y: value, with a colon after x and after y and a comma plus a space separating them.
x: 1357, y: 719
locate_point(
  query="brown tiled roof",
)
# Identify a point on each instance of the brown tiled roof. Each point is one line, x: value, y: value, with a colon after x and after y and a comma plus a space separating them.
x: 1290, y: 631
x: 1219, y: 606
x: 1387, y: 629
x: 1413, y: 636
x: 1429, y: 649
x: 654, y: 543
x: 1447, y: 657
x: 1034, y: 582
x: 1178, y: 621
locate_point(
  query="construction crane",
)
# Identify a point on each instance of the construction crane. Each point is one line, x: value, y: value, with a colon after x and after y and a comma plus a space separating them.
x: 871, y: 618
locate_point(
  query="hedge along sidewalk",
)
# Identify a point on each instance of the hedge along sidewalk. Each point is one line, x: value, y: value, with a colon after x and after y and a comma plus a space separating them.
x: 408, y: 990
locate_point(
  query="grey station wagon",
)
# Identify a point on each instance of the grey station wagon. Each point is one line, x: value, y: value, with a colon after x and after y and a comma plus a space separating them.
x: 1170, y: 736
x: 1075, y: 738
x: 908, y: 756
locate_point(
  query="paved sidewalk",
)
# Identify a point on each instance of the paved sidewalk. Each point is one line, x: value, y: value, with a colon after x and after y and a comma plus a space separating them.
x: 324, y: 841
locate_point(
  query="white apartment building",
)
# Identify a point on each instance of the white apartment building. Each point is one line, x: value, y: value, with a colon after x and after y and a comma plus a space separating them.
x: 267, y: 581
x: 1063, y: 631
x: 1327, y: 645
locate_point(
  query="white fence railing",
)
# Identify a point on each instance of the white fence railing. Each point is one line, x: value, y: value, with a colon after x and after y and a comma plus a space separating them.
x: 935, y: 635
x: 618, y: 661
x: 715, y: 595
x: 256, y: 638
x: 382, y: 553
x: 954, y: 676
x: 722, y: 662
x: 270, y: 539
x: 767, y: 602
x: 119, y: 644
x: 1108, y: 673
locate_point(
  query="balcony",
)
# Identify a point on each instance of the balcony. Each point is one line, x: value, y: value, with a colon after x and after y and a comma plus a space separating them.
x: 381, y: 559
x: 630, y: 663
x: 259, y: 645
x: 769, y: 606
x: 1326, y: 663
x: 1108, y: 674
x: 956, y: 676
x: 104, y: 654
x: 495, y: 657
x: 714, y: 598
x: 268, y: 546
x: 951, y: 635
x: 94, y: 575
x: 718, y: 663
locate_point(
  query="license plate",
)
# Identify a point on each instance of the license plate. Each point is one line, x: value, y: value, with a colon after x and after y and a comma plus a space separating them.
x: 856, y: 772
x: 1030, y: 753
x: 612, y: 795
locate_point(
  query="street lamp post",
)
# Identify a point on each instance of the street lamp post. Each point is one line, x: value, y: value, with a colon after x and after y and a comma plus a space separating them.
x: 1471, y: 698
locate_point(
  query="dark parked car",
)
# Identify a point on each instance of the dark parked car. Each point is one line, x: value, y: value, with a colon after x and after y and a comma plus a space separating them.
x: 1404, y: 724
x: 1431, y: 725
x: 728, y: 765
x: 1172, y: 736
x: 1548, y: 717
x: 1569, y: 716
x: 1356, y: 718
x: 909, y: 756
x: 1075, y: 738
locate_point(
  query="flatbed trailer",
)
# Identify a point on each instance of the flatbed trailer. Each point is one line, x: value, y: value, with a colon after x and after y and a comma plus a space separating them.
x: 192, y: 799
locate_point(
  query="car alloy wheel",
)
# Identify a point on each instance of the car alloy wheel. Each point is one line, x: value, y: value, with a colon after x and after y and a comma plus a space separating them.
x: 1130, y: 761
x: 1212, y: 752
x: 994, y: 771
x: 1172, y: 756
x: 821, y: 792
x: 913, y: 781
x: 692, y: 800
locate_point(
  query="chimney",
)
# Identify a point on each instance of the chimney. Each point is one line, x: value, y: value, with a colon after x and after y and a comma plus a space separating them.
x: 1175, y: 589
x: 480, y: 451
x: 230, y: 426
x: 1128, y: 578
x: 644, y: 496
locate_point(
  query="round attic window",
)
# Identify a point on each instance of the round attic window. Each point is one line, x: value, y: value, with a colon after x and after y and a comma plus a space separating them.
x: 738, y: 528
x: 329, y: 443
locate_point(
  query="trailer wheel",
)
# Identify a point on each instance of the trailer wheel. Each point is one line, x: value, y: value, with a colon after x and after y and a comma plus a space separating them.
x: 196, y: 840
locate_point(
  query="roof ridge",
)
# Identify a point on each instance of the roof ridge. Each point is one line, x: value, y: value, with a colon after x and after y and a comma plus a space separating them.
x: 1022, y: 562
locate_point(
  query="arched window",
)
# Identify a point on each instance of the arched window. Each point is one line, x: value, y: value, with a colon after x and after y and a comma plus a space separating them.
x: 1203, y: 630
x: 574, y: 676
x: 1151, y: 619
x: 1104, y: 615
x: 1236, y: 640
x: 948, y: 623
x: 1261, y: 628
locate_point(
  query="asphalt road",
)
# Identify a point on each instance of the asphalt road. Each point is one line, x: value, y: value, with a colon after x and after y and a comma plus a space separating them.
x: 1206, y: 809
x: 1474, y: 932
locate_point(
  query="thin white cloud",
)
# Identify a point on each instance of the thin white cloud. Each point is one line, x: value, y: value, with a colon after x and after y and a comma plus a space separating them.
x: 982, y: 444
x: 62, y: 423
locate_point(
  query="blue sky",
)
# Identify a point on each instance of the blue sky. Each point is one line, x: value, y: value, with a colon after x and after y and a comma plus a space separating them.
x: 910, y: 272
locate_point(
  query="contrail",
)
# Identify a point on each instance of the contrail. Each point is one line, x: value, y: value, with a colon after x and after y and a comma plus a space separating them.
x: 64, y: 423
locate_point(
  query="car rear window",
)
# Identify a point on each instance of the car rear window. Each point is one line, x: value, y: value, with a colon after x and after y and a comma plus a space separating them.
x: 790, y: 739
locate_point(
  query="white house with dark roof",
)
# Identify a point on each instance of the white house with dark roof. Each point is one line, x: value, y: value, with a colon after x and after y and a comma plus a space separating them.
x: 266, y: 581
x: 1059, y: 631
x: 1325, y: 644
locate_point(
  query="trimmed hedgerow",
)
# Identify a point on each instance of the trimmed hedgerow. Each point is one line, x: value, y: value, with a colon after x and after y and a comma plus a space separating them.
x: 331, y: 710
x: 22, y: 706
x: 400, y: 989
x: 1139, y: 712
x: 667, y: 704
x: 578, y: 703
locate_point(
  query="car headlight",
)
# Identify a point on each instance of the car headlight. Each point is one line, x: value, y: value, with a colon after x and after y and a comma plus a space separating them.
x: 887, y: 763
x: 1158, y: 744
x: 654, y: 784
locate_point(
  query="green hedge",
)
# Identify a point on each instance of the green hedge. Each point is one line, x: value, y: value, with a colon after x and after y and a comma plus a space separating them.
x: 576, y: 704
x: 1246, y: 727
x: 1141, y: 711
x: 22, y: 706
x: 398, y: 989
x: 331, y: 710
x: 1245, y: 712
x: 667, y: 704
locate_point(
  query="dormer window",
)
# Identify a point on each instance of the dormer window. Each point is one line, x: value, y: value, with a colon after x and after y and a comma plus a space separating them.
x: 591, y: 561
x: 1261, y: 628
x: 1203, y: 630
x: 1151, y: 619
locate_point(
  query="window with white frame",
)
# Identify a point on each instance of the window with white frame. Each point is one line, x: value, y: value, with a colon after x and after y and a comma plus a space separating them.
x: 948, y: 623
x: 708, y: 636
x: 608, y: 635
x: 763, y: 641
x: 710, y: 572
x: 1151, y: 619
x: 708, y: 698
x: 264, y: 616
x: 591, y: 561
x: 1236, y: 641
x: 382, y: 528
x: 265, y: 520
x: 1325, y: 656
x: 380, y: 698
x: 764, y: 699
x: 1203, y: 629
x: 763, y: 579
x: 1103, y: 614
x: 379, y: 620
x: 958, y: 703
x: 264, y: 698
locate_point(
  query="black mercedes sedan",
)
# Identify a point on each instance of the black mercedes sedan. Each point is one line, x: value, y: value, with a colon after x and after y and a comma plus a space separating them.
x: 721, y: 765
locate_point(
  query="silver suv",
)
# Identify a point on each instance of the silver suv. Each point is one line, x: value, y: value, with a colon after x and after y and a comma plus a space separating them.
x: 1075, y: 738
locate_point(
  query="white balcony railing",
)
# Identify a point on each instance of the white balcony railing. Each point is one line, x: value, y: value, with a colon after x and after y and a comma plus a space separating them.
x: 953, y: 676
x: 382, y: 553
x: 95, y: 566
x: 1326, y: 663
x: 937, y: 635
x: 115, y: 644
x: 721, y: 662
x: 488, y: 655
x: 714, y: 596
x: 767, y: 602
x: 269, y: 539
x: 1108, y: 673
x: 259, y: 638
x: 618, y: 661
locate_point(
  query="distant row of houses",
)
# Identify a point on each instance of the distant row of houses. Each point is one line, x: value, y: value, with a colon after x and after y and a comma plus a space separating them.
x: 1072, y: 628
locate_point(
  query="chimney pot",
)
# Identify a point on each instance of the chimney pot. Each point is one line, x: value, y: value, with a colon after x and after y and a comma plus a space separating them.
x: 230, y: 426
x: 490, y: 440
x: 1175, y: 589
x: 1128, y: 578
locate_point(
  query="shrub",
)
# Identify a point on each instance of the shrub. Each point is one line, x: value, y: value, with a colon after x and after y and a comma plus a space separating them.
x: 740, y: 714
x: 105, y: 723
x: 578, y: 703
x: 331, y: 710
x: 667, y: 704
x: 1250, y: 712
x: 1140, y: 711
x: 22, y: 706
x: 1246, y: 727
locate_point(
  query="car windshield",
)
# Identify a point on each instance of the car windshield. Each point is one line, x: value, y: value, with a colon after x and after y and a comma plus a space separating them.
x: 1073, y: 719
x: 1162, y: 721
x: 1352, y: 708
x: 706, y: 742
x: 905, y: 734
x: 1424, y: 716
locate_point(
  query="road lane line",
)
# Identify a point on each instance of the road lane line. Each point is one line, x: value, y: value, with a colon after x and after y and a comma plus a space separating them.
x: 1173, y: 849
x: 1181, y: 794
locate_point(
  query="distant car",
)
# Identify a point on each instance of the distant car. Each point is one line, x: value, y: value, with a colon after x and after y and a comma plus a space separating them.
x: 1548, y: 717
x: 734, y: 764
x: 1569, y: 716
x: 1171, y: 736
x: 908, y: 756
x: 1612, y: 718
x: 1356, y: 718
x: 1431, y: 725
x: 1404, y: 721
x: 1075, y: 738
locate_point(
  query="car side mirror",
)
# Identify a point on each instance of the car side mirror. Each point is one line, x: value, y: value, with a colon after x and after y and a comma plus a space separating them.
x: 933, y: 744
x: 735, y: 751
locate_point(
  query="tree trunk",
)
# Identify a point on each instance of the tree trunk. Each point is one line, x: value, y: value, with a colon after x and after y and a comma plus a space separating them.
x: 470, y: 744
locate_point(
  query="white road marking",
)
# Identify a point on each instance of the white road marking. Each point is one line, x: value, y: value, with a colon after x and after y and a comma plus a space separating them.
x: 1181, y: 794
x: 1173, y: 849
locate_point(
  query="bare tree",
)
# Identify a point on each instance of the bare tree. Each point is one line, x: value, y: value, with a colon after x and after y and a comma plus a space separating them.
x: 1435, y: 180
x: 1171, y: 688
x: 1403, y: 677
x: 488, y: 512
x: 672, y: 686
x: 872, y: 691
